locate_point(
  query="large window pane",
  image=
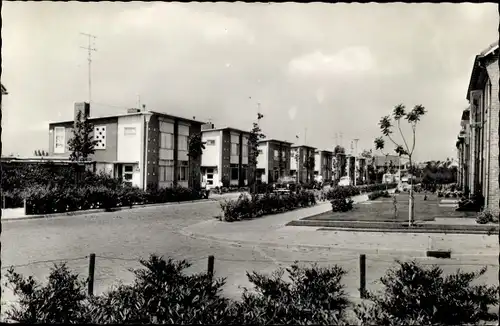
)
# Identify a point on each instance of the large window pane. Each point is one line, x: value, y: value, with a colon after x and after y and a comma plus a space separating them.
x: 182, y: 142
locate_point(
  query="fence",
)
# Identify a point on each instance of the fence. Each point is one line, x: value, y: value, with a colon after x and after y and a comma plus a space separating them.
x: 211, y: 264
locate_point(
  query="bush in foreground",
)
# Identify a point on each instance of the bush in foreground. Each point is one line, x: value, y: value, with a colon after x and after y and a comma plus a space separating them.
x: 163, y: 293
x: 416, y: 295
x: 378, y: 194
x: 486, y: 216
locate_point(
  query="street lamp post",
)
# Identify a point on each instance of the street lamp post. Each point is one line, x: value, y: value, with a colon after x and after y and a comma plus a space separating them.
x: 147, y: 118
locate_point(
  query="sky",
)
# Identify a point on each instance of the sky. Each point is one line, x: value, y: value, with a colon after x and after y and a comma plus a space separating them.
x: 315, y: 70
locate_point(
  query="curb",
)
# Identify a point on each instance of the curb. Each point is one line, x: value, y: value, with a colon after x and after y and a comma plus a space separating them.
x: 102, y: 210
x: 344, y: 250
x: 379, y: 230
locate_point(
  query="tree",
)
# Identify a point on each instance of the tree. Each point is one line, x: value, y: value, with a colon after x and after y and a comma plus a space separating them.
x: 309, y: 166
x: 195, y: 150
x: 82, y: 144
x: 253, y: 150
x: 386, y: 126
x: 281, y: 161
x: 40, y: 153
x: 338, y: 150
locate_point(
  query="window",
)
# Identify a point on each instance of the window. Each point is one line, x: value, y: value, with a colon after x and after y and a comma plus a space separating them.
x: 276, y: 175
x: 210, y: 142
x: 166, y: 135
x: 260, y: 151
x: 234, y: 172
x: 283, y: 154
x: 129, y: 131
x: 183, y: 170
x: 244, y: 172
x: 276, y: 154
x: 100, y: 137
x: 245, y: 147
x: 59, y: 140
x: 128, y: 172
x: 182, y: 143
x: 235, y: 145
x: 210, y: 177
x: 166, y: 170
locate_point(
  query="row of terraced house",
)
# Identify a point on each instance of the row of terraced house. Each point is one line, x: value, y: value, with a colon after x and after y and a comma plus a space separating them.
x: 150, y: 149
x: 478, y: 139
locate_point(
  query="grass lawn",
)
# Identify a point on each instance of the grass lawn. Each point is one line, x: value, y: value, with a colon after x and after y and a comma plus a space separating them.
x: 382, y: 210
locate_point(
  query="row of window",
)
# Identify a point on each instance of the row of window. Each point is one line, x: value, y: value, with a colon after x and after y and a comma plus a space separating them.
x: 166, y: 170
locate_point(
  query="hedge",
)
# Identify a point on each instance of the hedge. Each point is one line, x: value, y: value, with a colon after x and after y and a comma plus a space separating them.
x: 246, y: 207
x: 47, y: 200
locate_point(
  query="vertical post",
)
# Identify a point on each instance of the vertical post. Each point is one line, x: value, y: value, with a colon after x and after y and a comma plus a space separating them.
x: 211, y: 261
x: 91, y: 274
x: 362, y: 276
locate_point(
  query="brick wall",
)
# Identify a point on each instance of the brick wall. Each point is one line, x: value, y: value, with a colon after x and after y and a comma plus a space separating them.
x: 153, y: 155
x: 494, y: 166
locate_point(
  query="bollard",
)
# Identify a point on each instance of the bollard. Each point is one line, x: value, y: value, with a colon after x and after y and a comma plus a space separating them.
x: 211, y: 261
x: 91, y: 274
x: 362, y: 276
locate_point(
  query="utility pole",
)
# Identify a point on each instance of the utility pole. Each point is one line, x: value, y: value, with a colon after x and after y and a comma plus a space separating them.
x: 89, y: 49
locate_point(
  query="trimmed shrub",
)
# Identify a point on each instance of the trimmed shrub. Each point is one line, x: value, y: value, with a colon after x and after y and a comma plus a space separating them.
x: 485, y: 217
x: 416, y: 295
x: 246, y: 206
x: 313, y: 296
x: 377, y: 194
x: 342, y: 204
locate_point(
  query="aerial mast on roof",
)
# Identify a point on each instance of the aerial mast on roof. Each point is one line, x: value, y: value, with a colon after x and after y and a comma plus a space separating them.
x: 89, y: 49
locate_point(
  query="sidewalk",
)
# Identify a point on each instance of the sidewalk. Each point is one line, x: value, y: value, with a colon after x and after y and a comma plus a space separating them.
x: 271, y: 231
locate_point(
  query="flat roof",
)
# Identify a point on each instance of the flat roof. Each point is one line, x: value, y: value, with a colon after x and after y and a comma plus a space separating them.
x: 131, y: 114
x: 275, y: 141
x: 227, y: 128
x: 307, y: 146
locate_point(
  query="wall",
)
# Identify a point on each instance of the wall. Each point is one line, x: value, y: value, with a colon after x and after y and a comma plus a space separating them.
x: 494, y: 170
x: 263, y: 159
x: 226, y: 154
x: 195, y: 164
x: 101, y: 155
x: 129, y: 147
x: 212, y: 154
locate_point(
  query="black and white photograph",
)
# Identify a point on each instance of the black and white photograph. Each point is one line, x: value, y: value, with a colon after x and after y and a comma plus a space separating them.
x: 247, y: 163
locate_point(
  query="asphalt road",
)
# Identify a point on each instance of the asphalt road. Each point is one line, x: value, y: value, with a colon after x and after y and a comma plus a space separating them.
x: 120, y: 238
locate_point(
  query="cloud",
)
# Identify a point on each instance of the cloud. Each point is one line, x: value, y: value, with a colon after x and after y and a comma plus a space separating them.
x: 347, y: 60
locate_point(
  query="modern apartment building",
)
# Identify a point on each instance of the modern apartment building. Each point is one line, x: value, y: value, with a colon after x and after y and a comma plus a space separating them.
x: 323, y: 164
x: 273, y: 161
x: 225, y: 158
x: 299, y: 155
x: 478, y: 139
x: 145, y: 148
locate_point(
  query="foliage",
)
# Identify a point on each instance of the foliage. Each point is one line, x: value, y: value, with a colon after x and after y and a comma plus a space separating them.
x: 414, y: 294
x: 338, y: 150
x: 196, y: 146
x: 309, y: 166
x: 379, y: 193
x: 48, y: 200
x: 253, y: 148
x: 82, y: 144
x: 61, y: 300
x: 437, y: 173
x: 246, y: 207
x: 342, y: 204
x: 486, y: 216
x: 387, y: 124
x: 314, y: 295
x: 162, y: 293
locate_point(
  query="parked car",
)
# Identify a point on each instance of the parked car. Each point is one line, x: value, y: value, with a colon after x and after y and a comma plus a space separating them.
x: 345, y: 181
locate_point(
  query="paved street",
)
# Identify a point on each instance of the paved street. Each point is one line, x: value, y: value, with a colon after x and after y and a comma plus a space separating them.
x: 124, y: 236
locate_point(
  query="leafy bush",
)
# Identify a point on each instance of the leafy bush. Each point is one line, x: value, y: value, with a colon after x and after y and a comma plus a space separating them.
x: 314, y: 295
x: 47, y: 200
x: 61, y: 300
x: 342, y: 192
x: 423, y: 296
x: 486, y: 216
x: 342, y: 204
x: 162, y: 293
x: 246, y: 207
x: 377, y: 194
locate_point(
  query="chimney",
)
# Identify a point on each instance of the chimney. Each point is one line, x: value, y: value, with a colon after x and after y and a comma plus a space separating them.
x: 207, y: 126
x: 83, y: 107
